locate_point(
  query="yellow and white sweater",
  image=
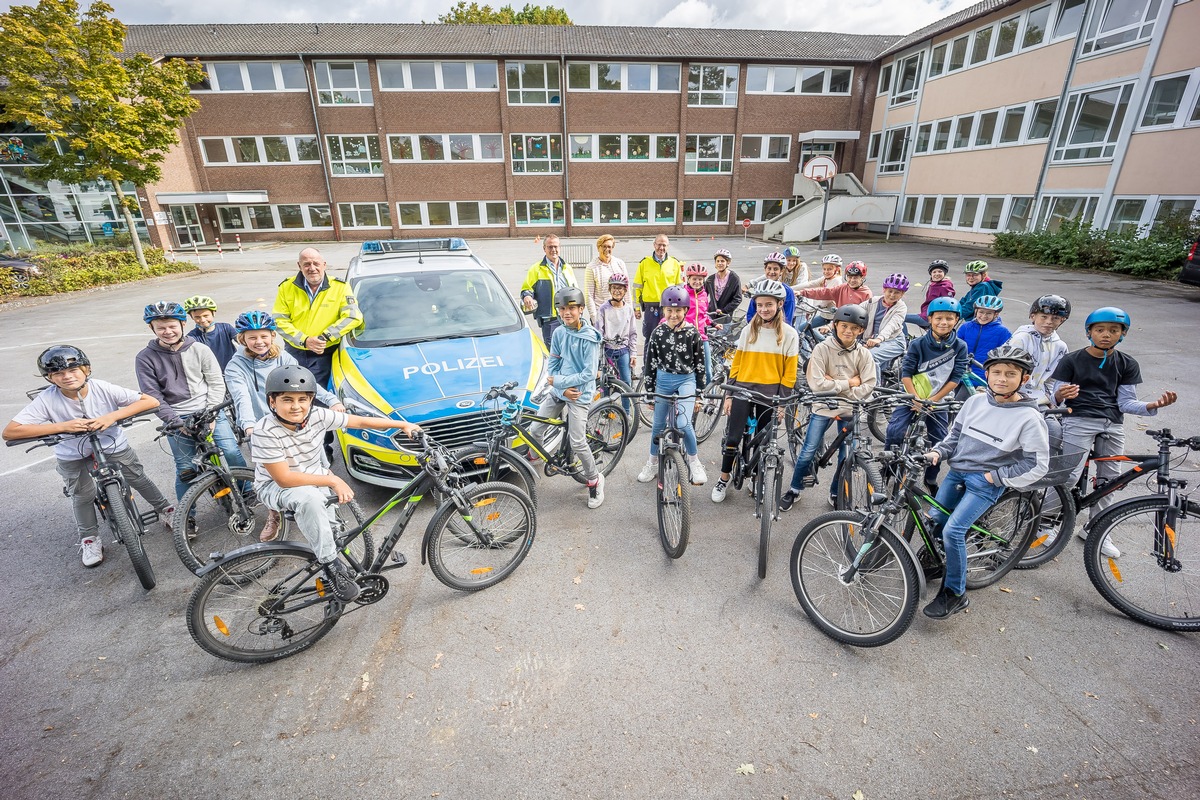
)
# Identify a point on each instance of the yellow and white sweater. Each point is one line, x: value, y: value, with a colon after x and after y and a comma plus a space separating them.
x: 766, y: 366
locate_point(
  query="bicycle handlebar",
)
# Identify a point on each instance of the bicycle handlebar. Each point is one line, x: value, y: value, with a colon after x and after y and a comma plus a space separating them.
x: 51, y: 439
x: 504, y: 391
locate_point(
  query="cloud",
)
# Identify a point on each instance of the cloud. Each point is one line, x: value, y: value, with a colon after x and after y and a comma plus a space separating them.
x: 690, y: 14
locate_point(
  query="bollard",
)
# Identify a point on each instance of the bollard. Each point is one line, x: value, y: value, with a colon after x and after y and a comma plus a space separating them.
x: 196, y: 250
x: 220, y: 252
x: 238, y: 236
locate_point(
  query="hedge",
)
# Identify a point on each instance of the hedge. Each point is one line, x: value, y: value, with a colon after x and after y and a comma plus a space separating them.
x: 71, y: 269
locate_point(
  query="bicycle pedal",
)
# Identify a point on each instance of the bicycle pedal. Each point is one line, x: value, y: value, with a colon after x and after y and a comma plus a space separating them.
x: 809, y: 481
x: 148, y: 518
x: 399, y: 559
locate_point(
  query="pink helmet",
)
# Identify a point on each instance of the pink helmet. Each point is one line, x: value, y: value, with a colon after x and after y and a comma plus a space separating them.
x: 856, y: 268
x: 696, y: 268
x: 617, y: 279
x: 775, y: 258
x: 896, y: 281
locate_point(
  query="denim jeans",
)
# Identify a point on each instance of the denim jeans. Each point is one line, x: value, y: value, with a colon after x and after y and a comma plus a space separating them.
x: 707, y: 362
x: 918, y: 320
x: 937, y: 425
x: 184, y: 450
x: 968, y: 495
x: 620, y: 360
x: 685, y: 387
x: 813, y: 437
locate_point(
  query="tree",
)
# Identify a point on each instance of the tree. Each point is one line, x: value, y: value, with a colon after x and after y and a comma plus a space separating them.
x: 464, y: 13
x: 108, y: 116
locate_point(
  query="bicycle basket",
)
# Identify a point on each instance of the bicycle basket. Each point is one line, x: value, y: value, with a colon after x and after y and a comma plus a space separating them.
x: 1062, y: 467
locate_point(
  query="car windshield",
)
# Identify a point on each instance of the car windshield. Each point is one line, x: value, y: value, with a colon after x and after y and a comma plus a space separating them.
x: 420, y: 306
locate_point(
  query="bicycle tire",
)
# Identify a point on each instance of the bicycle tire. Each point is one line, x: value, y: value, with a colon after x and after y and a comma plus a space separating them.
x: 674, y: 503
x: 1057, y: 522
x: 609, y: 390
x: 1008, y: 525
x: 1139, y: 584
x: 363, y: 545
x: 872, y: 609
x: 459, y: 559
x: 122, y: 515
x: 795, y: 422
x: 238, y: 612
x: 480, y: 465
x: 645, y: 412
x: 857, y: 480
x: 220, y: 525
x: 712, y: 406
x: 877, y: 422
x: 607, y: 435
x: 768, y: 504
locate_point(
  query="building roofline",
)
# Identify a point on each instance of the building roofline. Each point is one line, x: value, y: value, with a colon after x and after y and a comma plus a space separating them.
x: 947, y: 23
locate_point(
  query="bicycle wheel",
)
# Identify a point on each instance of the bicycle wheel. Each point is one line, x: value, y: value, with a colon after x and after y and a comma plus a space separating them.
x: 712, y: 406
x: 795, y: 422
x: 645, y: 411
x: 124, y: 518
x: 674, y: 503
x: 212, y: 518
x: 607, y: 434
x: 349, y: 515
x: 477, y: 549
x: 877, y: 421
x: 610, y: 389
x: 769, y: 486
x: 1145, y: 583
x: 874, y: 607
x: 997, y: 540
x: 507, y: 465
x: 857, y: 479
x: 262, y: 606
x: 1056, y: 524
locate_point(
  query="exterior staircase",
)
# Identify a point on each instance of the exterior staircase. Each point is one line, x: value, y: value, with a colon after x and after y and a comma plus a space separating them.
x: 849, y: 201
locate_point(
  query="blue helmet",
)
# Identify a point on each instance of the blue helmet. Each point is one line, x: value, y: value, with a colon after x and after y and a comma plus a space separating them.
x: 254, y: 321
x: 945, y: 304
x: 1108, y: 314
x: 991, y: 302
x: 163, y: 310
x: 791, y: 252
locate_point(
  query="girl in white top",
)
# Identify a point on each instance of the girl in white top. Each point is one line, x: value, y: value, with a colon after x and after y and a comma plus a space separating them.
x: 831, y: 276
x: 597, y: 273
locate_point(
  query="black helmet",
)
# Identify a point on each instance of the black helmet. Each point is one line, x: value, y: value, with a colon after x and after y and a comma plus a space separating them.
x: 60, y: 357
x: 938, y: 264
x: 851, y: 313
x: 291, y: 378
x: 1010, y: 354
x: 1052, y: 304
x: 568, y: 296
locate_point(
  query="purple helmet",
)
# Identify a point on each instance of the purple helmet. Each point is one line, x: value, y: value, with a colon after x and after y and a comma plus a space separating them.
x: 896, y: 281
x: 674, y: 297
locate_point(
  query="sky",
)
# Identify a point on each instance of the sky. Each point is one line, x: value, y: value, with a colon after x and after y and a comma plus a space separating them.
x: 847, y: 16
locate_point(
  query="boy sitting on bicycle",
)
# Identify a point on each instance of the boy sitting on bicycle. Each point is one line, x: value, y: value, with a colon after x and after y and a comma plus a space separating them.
x: 674, y: 365
x: 78, y: 403
x: 1040, y: 338
x: 884, y: 332
x: 290, y: 471
x: 574, y: 353
x: 998, y: 440
x: 842, y: 364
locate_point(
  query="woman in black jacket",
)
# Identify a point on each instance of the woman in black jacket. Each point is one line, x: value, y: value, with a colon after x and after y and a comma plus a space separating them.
x: 724, y: 287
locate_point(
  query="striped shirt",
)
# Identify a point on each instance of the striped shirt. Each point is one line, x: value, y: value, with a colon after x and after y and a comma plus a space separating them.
x: 302, y: 450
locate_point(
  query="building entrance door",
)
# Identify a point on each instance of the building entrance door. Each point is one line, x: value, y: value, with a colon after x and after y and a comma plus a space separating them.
x: 187, y: 225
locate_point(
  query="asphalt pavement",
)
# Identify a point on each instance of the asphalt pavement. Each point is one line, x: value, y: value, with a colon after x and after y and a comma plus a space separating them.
x: 600, y: 668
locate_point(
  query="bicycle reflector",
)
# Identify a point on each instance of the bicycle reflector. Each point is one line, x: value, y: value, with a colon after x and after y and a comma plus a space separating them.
x: 221, y: 626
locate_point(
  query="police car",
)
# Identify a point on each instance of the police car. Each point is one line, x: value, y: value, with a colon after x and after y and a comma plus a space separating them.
x: 439, y: 330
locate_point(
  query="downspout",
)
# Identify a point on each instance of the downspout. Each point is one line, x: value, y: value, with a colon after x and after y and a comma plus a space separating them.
x: 312, y: 101
x: 566, y: 144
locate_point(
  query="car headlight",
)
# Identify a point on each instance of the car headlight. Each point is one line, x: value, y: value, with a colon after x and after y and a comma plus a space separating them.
x: 355, y: 404
x: 539, y: 386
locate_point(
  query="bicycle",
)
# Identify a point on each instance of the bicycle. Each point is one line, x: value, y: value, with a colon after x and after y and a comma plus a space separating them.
x: 114, y: 499
x: 857, y: 477
x: 1155, y: 581
x: 610, y: 385
x: 265, y: 602
x: 723, y: 345
x: 494, y: 459
x: 674, y: 496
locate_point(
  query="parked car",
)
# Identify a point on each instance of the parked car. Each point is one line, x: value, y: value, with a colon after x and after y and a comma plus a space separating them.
x: 20, y: 269
x: 1191, y: 267
x: 440, y: 329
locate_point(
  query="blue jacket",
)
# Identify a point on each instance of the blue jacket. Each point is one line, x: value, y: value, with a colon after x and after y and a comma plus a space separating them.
x: 219, y: 339
x: 932, y: 364
x: 789, y: 306
x: 981, y: 289
x: 982, y: 339
x: 574, y: 355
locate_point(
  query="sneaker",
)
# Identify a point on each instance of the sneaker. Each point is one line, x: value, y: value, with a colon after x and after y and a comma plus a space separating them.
x: 699, y: 476
x: 833, y: 501
x: 649, y: 472
x: 946, y: 603
x: 788, y: 500
x: 344, y: 587
x: 1050, y: 536
x: 93, y: 551
x: 270, y: 531
x: 718, y: 492
x: 1108, y: 549
x: 164, y: 516
x: 596, y: 492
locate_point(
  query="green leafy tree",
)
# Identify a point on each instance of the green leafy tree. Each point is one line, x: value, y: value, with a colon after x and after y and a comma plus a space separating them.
x: 464, y: 13
x: 109, y: 116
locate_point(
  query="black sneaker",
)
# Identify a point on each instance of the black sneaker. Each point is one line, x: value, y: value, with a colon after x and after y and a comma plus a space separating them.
x: 788, y: 500
x: 344, y: 587
x: 946, y: 603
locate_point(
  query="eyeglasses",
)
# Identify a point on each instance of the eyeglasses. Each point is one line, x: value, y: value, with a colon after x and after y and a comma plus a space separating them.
x: 606, y: 247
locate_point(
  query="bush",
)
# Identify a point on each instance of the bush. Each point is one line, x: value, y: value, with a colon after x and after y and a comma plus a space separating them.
x: 1077, y: 245
x: 68, y: 269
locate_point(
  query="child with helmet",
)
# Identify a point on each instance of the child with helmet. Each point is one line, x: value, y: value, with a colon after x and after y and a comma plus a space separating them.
x: 1099, y: 384
x: 217, y: 335
x: 853, y: 291
x: 1040, y: 338
x: 830, y: 277
x: 939, y: 286
x: 985, y: 332
x: 980, y: 285
x: 884, y: 334
x: 794, y: 271
x: 76, y: 403
x: 618, y: 329
x: 697, y: 312
x: 291, y: 473
x: 675, y: 365
x: 773, y: 271
x: 998, y: 440
x: 724, y: 287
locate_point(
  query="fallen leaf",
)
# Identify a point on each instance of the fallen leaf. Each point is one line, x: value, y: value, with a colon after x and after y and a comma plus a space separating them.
x: 408, y: 696
x: 1006, y: 590
x: 745, y: 769
x: 1091, y: 695
x: 101, y: 658
x: 580, y: 607
x: 1036, y: 598
x: 1163, y: 646
x: 1029, y: 658
x: 858, y: 795
x: 1032, y: 749
x: 813, y: 715
x: 578, y: 579
x: 1002, y: 630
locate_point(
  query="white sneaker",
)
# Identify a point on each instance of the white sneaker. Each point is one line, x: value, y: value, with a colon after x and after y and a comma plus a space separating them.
x: 596, y: 493
x: 699, y: 476
x: 649, y: 472
x: 165, y: 516
x: 718, y: 492
x: 93, y: 551
x: 1050, y: 534
x: 1108, y: 549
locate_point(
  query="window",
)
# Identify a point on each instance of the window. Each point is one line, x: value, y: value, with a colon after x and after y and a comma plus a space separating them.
x: 253, y: 76
x: 532, y: 83
x: 937, y: 61
x: 759, y: 211
x: 235, y: 219
x: 1127, y: 215
x: 1006, y: 37
x: 958, y: 54
x: 700, y: 212
x: 365, y: 215
x: 343, y: 83
x: 260, y: 150
x: 708, y: 154
x: 946, y: 211
x: 981, y: 44
x: 1041, y: 122
x: 967, y: 211
x: 766, y: 148
x: 895, y: 150
x: 1169, y: 208
x: 908, y: 79
x: 354, y: 155
x: 941, y: 135
x: 536, y: 153
x: 1119, y: 22
x: 928, y: 206
x: 620, y: 212
x: 452, y: 147
x: 909, y: 215
x: 712, y: 85
x: 839, y: 81
x: 1057, y: 210
x: 1014, y: 118
x: 1166, y: 97
x: 1035, y: 27
x: 873, y: 146
x: 539, y: 212
x: 623, y: 147
x: 1070, y: 13
x: 619, y: 77
x: 962, y: 131
x: 985, y: 134
x: 885, y: 80
x: 798, y: 80
x: 1018, y: 214
x: 1092, y: 123
x: 923, y: 133
x: 993, y: 207
x: 455, y: 214
x: 429, y: 76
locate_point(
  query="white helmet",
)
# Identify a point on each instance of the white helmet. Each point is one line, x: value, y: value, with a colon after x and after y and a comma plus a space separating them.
x: 832, y: 258
x: 765, y: 287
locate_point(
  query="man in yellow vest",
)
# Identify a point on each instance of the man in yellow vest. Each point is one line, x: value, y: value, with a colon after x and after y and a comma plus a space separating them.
x: 655, y: 273
x: 544, y: 280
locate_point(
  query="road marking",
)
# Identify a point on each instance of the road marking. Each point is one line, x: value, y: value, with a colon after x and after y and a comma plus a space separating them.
x: 27, y: 466
x: 57, y: 341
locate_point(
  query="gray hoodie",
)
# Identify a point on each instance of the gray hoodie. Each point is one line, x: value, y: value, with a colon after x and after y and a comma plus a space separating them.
x: 247, y: 381
x: 1007, y: 439
x: 182, y: 381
